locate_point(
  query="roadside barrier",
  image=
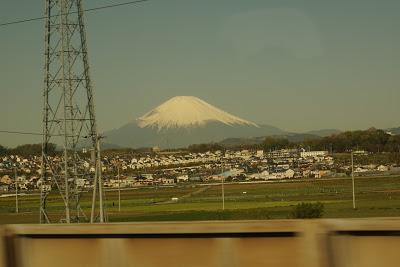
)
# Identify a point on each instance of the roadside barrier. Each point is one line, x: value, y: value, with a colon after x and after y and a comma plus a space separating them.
x: 319, y: 243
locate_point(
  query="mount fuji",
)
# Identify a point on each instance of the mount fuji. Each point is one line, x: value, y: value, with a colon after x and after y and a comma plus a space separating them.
x: 182, y: 121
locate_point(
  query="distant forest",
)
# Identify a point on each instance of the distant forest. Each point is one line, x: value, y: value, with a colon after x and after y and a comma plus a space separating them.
x: 27, y: 150
x: 371, y: 140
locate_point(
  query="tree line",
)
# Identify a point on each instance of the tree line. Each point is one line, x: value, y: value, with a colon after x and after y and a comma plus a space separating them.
x: 371, y: 140
x: 27, y: 150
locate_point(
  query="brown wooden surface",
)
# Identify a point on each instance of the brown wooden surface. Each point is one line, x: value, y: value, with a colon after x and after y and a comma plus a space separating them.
x: 2, y: 248
x: 319, y: 243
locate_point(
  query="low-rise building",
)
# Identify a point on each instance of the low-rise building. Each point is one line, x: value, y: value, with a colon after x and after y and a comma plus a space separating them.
x: 313, y: 154
x: 182, y: 178
x: 169, y: 181
x: 6, y: 180
x: 382, y: 168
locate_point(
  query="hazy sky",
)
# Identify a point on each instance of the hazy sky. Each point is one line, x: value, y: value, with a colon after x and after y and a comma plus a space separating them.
x: 297, y: 65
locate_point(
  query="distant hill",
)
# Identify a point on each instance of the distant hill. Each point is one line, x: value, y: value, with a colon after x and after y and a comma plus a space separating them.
x: 232, y: 142
x: 324, y: 132
x: 291, y: 137
x: 300, y: 137
x: 110, y: 146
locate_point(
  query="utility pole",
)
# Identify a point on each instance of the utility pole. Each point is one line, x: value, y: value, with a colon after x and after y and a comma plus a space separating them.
x: 223, y: 189
x: 352, y: 180
x: 98, y: 187
x: 16, y: 190
x: 119, y: 190
x: 68, y: 112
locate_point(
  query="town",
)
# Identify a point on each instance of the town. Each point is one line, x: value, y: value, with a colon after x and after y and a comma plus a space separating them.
x: 158, y: 168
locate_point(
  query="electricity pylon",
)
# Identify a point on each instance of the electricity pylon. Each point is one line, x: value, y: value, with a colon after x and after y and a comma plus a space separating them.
x: 68, y: 115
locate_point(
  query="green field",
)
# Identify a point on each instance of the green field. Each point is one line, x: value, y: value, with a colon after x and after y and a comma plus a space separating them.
x: 375, y: 197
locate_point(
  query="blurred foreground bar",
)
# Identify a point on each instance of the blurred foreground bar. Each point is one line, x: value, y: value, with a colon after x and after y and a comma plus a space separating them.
x: 330, y: 242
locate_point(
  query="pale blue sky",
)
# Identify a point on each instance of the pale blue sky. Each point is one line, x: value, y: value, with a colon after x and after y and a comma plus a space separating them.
x: 297, y: 65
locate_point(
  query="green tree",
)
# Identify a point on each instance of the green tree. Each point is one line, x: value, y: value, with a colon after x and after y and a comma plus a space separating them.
x: 272, y: 143
x: 308, y: 210
x: 32, y: 150
x: 3, y: 150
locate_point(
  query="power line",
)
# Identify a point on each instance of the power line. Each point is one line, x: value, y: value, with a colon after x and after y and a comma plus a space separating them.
x: 28, y: 133
x: 74, y: 12
x: 18, y: 132
x: 40, y: 134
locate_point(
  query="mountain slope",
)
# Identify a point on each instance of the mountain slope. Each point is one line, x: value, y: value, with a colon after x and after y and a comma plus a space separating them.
x: 182, y: 121
x: 131, y: 135
x: 187, y: 111
x: 324, y: 132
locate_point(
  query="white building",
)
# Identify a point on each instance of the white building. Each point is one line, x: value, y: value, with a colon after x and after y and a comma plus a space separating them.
x: 6, y: 180
x: 276, y: 175
x: 167, y: 181
x: 45, y: 187
x: 182, y: 178
x: 80, y: 182
x: 360, y: 170
x: 313, y: 154
x: 383, y: 168
x: 289, y: 173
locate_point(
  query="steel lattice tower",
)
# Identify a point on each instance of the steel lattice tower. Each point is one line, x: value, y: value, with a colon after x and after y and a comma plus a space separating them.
x: 68, y: 114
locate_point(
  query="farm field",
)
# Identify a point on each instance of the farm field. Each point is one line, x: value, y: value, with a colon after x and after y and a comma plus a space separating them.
x: 375, y: 197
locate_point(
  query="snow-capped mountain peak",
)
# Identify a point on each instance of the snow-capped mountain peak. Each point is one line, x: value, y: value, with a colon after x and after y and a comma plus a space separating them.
x: 185, y: 112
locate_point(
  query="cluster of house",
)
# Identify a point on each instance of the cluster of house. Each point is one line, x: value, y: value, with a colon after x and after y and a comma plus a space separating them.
x: 19, y: 171
x: 171, y: 168
x: 160, y: 160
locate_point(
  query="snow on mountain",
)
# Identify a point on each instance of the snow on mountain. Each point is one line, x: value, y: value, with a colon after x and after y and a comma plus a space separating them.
x: 182, y: 121
x: 187, y: 112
